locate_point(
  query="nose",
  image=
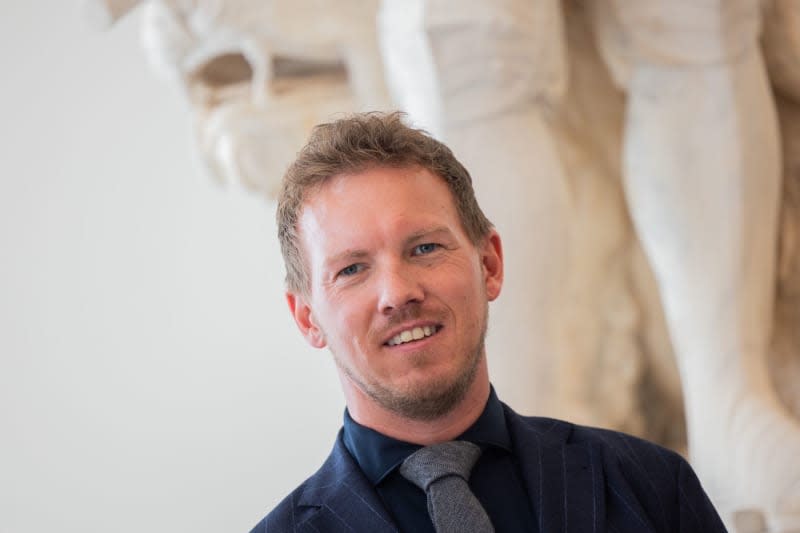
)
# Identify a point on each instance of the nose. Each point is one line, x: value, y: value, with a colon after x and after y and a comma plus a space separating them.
x: 399, y: 285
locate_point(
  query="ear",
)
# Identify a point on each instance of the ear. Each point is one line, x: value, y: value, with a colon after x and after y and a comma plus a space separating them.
x: 492, y: 263
x: 304, y: 318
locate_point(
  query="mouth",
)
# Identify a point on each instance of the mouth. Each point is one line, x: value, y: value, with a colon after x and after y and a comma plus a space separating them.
x: 413, y: 334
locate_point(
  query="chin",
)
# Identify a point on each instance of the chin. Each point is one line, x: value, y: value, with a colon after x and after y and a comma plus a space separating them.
x: 429, y: 398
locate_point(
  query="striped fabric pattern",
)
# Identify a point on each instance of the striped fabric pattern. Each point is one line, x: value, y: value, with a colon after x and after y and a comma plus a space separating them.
x: 579, y: 479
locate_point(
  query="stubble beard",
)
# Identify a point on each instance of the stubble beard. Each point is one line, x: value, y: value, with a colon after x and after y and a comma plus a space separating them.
x: 432, y: 399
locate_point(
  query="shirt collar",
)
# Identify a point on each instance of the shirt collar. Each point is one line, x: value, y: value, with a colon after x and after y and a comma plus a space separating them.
x: 378, y: 455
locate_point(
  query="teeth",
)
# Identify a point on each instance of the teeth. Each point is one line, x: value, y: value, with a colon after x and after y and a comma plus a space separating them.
x: 412, y: 335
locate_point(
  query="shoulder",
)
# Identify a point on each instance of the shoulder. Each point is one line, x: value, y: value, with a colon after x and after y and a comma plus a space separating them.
x: 306, y: 499
x: 333, y: 494
x: 640, y: 478
x: 630, y: 453
x: 287, y: 514
x: 659, y: 480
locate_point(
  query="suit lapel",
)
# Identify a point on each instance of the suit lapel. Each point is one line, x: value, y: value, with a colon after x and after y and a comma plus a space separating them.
x: 344, y: 498
x: 565, y: 481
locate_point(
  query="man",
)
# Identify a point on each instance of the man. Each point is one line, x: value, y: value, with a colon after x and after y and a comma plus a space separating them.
x: 391, y: 264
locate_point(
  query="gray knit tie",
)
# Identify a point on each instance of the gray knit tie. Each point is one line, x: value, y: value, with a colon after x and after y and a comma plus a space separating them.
x: 442, y: 471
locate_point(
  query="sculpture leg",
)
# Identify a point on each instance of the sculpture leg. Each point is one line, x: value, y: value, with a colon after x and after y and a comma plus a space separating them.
x: 366, y: 71
x: 701, y: 165
x: 497, y: 64
x: 519, y: 183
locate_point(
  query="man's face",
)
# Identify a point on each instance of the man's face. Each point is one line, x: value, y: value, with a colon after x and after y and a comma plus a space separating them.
x: 397, y: 290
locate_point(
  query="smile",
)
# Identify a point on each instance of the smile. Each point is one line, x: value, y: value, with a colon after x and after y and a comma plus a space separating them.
x: 413, y: 334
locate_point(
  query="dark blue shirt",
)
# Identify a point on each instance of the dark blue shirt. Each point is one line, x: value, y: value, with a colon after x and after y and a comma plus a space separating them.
x: 495, y: 479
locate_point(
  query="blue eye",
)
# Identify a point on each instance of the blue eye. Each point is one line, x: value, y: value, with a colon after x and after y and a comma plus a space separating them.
x: 350, y: 270
x: 426, y: 248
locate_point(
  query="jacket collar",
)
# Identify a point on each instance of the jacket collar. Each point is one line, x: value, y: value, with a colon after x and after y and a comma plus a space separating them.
x: 344, y: 498
x: 565, y: 481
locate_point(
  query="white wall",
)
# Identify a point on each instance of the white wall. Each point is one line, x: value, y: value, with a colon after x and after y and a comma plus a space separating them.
x: 150, y: 376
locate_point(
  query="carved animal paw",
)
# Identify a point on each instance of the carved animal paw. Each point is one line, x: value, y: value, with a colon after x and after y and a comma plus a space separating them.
x: 750, y: 465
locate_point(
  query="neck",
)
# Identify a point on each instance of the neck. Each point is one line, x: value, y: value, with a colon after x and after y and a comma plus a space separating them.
x: 369, y: 413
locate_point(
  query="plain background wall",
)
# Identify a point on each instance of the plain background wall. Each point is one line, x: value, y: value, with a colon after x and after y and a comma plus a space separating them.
x: 151, y: 378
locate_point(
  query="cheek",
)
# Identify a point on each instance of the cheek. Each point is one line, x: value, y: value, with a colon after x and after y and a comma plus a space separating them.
x: 473, y: 298
x: 466, y: 283
x: 349, y: 322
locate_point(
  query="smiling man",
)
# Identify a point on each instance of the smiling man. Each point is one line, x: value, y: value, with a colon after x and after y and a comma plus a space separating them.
x: 391, y: 264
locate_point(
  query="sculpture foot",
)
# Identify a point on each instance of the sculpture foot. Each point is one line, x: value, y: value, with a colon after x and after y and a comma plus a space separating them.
x: 751, y: 466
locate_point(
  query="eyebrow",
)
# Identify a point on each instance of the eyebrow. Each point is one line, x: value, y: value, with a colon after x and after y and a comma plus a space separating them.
x: 428, y: 233
x: 346, y: 256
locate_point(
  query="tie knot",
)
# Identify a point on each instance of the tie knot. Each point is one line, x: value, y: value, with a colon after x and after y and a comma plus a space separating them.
x: 426, y: 465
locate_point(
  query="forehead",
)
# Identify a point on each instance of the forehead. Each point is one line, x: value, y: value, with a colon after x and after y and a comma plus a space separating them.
x: 374, y: 204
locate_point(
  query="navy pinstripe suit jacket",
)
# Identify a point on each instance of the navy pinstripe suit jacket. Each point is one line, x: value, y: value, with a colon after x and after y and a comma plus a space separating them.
x: 579, y: 480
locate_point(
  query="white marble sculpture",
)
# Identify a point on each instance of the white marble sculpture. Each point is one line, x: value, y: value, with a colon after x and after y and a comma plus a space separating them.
x: 491, y: 117
x: 572, y: 117
x: 499, y: 106
x: 702, y: 176
x: 781, y: 44
x: 701, y: 168
x: 260, y: 74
